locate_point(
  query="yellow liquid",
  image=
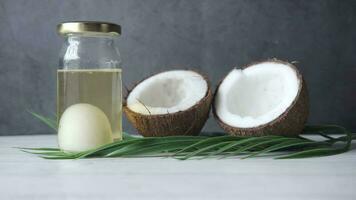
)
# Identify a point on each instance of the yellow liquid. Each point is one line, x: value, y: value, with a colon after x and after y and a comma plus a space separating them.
x: 98, y: 87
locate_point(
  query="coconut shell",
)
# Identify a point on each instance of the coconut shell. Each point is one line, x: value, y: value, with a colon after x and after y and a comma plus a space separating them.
x: 290, y: 123
x: 187, y: 122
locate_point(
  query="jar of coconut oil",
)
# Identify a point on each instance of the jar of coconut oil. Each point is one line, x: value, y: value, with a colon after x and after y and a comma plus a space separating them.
x: 89, y: 73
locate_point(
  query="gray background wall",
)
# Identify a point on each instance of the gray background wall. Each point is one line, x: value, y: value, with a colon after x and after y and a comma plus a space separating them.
x: 212, y: 36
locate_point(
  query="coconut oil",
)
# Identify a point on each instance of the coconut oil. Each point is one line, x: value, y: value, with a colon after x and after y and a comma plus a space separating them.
x: 98, y: 87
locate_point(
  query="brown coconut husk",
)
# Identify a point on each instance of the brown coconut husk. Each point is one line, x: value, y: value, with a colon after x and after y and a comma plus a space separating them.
x: 290, y: 123
x: 187, y: 122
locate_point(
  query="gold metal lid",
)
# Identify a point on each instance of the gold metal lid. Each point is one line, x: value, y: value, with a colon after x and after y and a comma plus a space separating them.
x: 88, y: 27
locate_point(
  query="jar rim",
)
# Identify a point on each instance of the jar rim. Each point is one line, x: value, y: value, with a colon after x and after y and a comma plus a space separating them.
x: 88, y: 27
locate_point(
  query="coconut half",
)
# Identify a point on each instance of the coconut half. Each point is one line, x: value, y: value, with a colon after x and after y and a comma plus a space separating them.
x: 264, y: 98
x: 174, y: 102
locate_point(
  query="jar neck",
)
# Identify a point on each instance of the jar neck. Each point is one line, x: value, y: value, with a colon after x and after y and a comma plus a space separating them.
x: 82, y: 51
x: 97, y: 40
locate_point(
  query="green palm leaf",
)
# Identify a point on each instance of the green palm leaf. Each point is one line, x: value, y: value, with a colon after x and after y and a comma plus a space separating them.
x: 186, y: 147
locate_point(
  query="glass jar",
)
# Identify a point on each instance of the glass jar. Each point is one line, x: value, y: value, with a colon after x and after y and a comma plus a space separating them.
x: 90, y: 70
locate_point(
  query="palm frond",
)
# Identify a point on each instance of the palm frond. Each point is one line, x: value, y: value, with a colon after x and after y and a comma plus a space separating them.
x: 186, y: 147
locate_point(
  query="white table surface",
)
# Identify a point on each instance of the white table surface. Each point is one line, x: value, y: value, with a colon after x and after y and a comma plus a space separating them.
x: 25, y: 176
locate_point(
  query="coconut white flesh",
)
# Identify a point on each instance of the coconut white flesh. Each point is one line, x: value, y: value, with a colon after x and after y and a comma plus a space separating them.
x: 167, y: 92
x: 256, y: 95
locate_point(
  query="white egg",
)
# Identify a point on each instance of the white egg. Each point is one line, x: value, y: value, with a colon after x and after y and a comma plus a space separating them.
x: 83, y: 127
